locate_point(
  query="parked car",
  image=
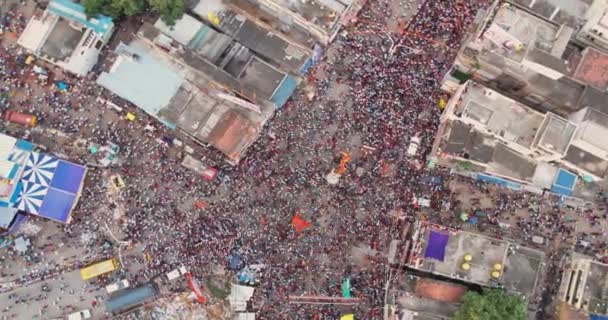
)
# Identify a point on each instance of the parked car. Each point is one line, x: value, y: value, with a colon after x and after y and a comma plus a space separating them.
x: 122, y: 284
x: 80, y: 315
x: 412, y: 149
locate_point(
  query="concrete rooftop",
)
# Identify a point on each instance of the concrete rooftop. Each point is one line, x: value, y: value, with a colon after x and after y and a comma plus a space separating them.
x: 521, y: 265
x: 500, y: 115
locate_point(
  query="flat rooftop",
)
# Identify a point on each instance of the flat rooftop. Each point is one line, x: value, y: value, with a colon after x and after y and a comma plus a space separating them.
x: 62, y: 40
x: 568, y: 12
x: 593, y: 128
x: 597, y: 288
x: 555, y: 133
x: 506, y: 118
x: 442, y: 250
x: 587, y: 161
x: 514, y: 32
x: 261, y: 39
x: 323, y: 13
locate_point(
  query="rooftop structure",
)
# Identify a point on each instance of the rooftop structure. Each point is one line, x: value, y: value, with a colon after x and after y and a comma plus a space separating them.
x: 489, y: 262
x: 305, y: 22
x: 37, y: 183
x: 213, y: 55
x: 504, y: 137
x: 560, y: 12
x: 594, y: 29
x: 507, y: 139
x: 530, y: 59
x: 257, y: 36
x: 143, y: 75
x: 64, y: 36
x: 584, y: 285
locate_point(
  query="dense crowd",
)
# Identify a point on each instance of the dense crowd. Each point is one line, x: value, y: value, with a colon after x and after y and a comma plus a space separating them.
x: 392, y: 90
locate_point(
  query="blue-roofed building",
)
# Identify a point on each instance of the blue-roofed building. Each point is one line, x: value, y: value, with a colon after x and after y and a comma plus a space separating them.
x: 130, y: 298
x: 64, y: 36
x: 36, y: 183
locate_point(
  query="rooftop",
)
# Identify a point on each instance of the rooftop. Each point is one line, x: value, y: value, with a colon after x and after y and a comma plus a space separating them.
x: 555, y: 133
x: 593, y: 125
x: 102, y: 25
x: 61, y: 41
x: 235, y: 66
x: 141, y: 77
x: 597, y: 288
x: 587, y: 161
x: 514, y: 33
x: 568, y: 12
x: 440, y: 250
x: 501, y: 116
x: 255, y: 36
x: 593, y: 68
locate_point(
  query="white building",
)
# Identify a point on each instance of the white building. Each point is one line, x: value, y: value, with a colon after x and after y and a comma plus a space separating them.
x: 64, y: 36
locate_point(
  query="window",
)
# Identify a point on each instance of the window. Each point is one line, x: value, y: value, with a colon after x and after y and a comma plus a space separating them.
x: 98, y: 44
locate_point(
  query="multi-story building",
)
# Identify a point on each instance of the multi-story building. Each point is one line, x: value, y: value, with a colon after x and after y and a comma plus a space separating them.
x: 584, y: 287
x: 529, y: 59
x: 64, y: 36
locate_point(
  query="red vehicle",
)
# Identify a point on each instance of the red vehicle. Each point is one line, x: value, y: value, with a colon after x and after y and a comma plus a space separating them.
x: 21, y: 118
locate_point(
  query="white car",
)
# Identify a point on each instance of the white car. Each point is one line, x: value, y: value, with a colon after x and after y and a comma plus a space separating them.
x: 122, y: 284
x: 176, y: 273
x: 80, y: 315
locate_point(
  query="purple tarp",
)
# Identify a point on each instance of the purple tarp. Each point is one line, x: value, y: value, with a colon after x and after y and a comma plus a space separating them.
x: 436, y: 246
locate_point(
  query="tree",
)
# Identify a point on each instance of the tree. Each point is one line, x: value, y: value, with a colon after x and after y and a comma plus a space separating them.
x: 492, y: 304
x: 170, y: 10
x: 114, y: 8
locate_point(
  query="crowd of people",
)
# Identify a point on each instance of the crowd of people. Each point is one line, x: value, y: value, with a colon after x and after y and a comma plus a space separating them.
x: 390, y: 83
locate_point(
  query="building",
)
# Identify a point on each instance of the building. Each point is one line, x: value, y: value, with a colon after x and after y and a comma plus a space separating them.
x: 584, y: 287
x: 529, y: 59
x: 289, y: 54
x: 63, y: 36
x: 594, y: 31
x: 304, y: 22
x: 475, y: 259
x: 213, y: 55
x: 36, y: 183
x: 509, y: 143
x: 143, y: 75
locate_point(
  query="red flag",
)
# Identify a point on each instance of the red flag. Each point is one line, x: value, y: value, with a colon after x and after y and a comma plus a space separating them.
x: 299, y: 223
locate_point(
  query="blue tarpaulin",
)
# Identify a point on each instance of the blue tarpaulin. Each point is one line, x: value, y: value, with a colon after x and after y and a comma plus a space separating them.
x: 436, y: 246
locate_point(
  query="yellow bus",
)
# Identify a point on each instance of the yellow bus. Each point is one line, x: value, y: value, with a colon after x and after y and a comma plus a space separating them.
x: 98, y: 269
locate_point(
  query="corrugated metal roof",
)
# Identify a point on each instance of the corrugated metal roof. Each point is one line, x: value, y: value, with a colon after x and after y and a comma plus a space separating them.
x: 144, y: 80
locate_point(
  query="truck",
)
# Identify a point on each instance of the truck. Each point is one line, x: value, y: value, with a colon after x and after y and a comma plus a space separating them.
x: 122, y: 284
x: 21, y: 118
x: 131, y: 298
x: 98, y: 269
x: 80, y: 315
x: 208, y: 173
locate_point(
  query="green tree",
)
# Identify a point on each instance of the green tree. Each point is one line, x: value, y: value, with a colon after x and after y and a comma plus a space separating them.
x: 492, y: 304
x: 170, y: 10
x: 114, y: 8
